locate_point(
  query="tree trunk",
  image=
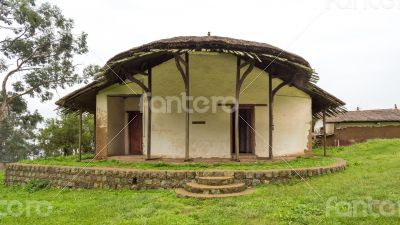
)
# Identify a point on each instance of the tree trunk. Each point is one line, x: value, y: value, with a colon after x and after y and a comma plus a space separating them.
x: 67, y: 152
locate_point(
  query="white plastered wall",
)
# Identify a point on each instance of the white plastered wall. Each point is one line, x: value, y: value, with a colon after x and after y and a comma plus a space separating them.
x: 292, y: 122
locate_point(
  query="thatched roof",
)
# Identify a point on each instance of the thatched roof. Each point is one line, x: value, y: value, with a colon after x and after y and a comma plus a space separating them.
x: 212, y: 43
x: 376, y: 115
x: 324, y: 101
x: 83, y: 98
x: 285, y: 65
x: 277, y: 62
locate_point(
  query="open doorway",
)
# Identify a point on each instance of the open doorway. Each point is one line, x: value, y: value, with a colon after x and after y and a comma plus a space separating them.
x: 246, y: 132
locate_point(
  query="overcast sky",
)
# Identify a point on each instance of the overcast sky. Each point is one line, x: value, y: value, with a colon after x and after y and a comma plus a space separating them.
x: 352, y: 44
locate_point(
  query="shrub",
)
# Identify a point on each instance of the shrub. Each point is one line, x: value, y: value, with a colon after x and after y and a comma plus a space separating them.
x: 36, y: 185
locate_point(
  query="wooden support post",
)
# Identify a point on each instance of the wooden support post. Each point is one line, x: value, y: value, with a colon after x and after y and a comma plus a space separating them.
x: 185, y: 77
x: 324, y: 128
x: 270, y: 115
x: 80, y: 134
x: 94, y: 132
x: 187, y: 106
x: 237, y: 95
x: 149, y: 95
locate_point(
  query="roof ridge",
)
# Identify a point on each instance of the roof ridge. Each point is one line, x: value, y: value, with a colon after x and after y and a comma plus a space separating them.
x: 370, y: 115
x: 363, y: 110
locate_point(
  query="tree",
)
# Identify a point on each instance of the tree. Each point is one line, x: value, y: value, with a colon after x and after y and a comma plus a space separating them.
x: 60, y: 136
x: 37, y: 49
x: 18, y: 132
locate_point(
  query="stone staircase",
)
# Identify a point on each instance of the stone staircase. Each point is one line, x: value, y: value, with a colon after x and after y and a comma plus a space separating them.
x: 213, y: 187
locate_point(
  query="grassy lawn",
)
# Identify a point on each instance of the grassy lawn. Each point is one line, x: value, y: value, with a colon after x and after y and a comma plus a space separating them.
x: 373, y: 173
x: 300, y: 162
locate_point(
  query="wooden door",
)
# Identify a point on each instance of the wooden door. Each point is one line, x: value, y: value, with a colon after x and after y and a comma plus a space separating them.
x: 135, y: 129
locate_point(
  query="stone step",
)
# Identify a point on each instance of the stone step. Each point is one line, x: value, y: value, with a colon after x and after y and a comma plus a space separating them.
x: 215, y: 181
x: 211, y: 189
x: 180, y: 192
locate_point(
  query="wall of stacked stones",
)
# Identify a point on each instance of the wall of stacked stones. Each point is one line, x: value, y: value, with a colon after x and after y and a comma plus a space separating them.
x: 89, y: 177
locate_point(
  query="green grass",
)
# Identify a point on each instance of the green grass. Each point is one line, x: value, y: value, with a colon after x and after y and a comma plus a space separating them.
x: 373, y: 172
x: 300, y: 162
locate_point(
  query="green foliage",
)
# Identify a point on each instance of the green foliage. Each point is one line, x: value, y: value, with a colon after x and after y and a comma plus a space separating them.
x: 36, y: 185
x: 61, y: 136
x: 18, y: 133
x: 301, y: 203
x: 39, y: 45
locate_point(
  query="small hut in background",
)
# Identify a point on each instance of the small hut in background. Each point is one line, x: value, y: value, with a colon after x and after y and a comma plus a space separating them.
x: 360, y: 125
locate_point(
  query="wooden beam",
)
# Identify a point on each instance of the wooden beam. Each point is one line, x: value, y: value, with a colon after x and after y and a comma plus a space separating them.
x: 277, y: 88
x: 241, y: 105
x: 237, y: 95
x: 125, y: 95
x: 140, y: 72
x: 187, y: 107
x: 324, y: 128
x: 185, y: 77
x: 179, y: 66
x: 270, y: 117
x: 94, y: 131
x: 80, y: 134
x: 138, y: 82
x: 244, y: 64
x: 246, y: 73
x: 184, y: 62
x: 149, y: 95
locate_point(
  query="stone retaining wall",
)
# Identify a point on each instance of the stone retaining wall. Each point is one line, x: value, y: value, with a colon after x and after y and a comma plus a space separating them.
x: 90, y: 177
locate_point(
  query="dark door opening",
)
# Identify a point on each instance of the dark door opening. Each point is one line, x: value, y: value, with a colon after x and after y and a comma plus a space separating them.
x: 246, y: 132
x: 135, y: 133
